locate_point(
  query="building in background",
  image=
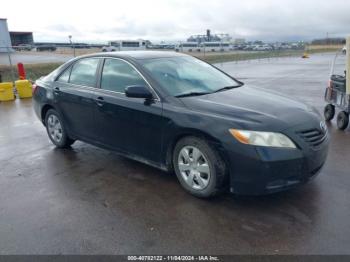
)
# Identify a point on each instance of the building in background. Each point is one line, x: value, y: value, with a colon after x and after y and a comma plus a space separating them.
x: 5, y: 40
x: 21, y: 38
x: 208, y: 37
x: 239, y: 41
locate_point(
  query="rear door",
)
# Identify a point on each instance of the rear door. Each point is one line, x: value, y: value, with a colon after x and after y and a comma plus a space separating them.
x: 131, y: 125
x: 73, y: 92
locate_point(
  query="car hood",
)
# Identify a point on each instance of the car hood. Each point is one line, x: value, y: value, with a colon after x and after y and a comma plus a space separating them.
x: 255, y: 108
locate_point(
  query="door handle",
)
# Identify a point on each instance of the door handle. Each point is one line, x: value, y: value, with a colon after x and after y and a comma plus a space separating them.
x: 56, y: 90
x: 100, y: 101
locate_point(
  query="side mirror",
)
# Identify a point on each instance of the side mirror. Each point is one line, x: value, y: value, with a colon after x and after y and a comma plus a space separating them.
x: 138, y: 92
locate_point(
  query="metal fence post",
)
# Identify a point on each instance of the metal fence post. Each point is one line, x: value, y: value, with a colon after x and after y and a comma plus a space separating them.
x: 11, y: 65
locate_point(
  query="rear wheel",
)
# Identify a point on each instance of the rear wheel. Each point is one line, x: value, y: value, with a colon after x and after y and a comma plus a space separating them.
x: 329, y: 112
x: 56, y: 130
x: 342, y: 120
x: 199, y: 168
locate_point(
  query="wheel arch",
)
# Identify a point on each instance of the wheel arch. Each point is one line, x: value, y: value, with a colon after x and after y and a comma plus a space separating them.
x: 194, y: 133
x: 44, y: 110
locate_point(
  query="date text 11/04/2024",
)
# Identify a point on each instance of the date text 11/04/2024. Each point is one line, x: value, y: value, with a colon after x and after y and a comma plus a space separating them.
x: 173, y: 258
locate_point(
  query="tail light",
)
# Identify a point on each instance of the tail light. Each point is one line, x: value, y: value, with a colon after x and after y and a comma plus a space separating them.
x: 330, y: 84
x: 34, y: 87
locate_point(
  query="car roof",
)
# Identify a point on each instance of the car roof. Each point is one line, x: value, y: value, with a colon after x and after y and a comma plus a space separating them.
x: 139, y: 55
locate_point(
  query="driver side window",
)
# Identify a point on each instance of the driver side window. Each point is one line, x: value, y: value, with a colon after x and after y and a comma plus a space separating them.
x: 117, y: 75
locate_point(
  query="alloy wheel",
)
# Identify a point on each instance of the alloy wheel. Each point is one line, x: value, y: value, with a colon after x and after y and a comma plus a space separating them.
x: 194, y: 167
x: 55, y: 128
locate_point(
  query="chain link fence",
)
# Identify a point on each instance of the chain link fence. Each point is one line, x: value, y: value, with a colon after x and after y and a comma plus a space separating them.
x: 41, y: 60
x: 38, y: 61
x: 6, y: 66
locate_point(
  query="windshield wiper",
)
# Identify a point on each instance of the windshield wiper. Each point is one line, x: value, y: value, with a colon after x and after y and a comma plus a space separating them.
x: 226, y: 88
x: 206, y: 93
x: 193, y: 94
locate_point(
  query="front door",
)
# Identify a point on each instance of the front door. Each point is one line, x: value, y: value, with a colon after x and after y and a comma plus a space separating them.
x: 131, y: 125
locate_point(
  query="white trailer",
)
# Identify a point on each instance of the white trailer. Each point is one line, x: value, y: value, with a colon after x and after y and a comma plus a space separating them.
x: 188, y: 47
x: 216, y: 46
x: 125, y: 45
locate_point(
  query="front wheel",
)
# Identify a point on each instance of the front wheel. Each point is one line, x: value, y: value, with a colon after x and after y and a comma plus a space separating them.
x: 199, y: 168
x: 329, y: 112
x: 342, y: 120
x: 56, y: 130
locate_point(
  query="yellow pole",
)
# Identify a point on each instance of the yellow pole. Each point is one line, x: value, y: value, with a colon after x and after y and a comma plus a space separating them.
x: 348, y: 65
x: 305, y: 55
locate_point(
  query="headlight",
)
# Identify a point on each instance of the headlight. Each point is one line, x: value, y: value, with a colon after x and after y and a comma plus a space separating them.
x: 256, y: 138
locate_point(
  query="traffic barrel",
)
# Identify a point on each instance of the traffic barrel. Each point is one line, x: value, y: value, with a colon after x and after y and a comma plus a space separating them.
x: 6, y: 91
x: 21, y: 71
x: 24, y: 88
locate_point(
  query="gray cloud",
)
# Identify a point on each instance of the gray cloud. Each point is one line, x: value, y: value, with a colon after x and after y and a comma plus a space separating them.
x: 177, y: 19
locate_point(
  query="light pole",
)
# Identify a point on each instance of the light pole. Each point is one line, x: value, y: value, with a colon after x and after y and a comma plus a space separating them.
x: 71, y: 43
x: 8, y: 51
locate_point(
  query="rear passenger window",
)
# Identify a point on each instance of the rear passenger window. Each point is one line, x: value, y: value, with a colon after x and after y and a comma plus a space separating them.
x: 117, y: 75
x: 65, y: 76
x: 84, y: 72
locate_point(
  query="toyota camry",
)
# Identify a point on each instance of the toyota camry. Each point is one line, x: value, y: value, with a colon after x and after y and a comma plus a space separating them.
x: 182, y: 115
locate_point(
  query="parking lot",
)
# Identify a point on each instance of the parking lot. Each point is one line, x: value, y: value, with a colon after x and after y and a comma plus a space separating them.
x: 87, y: 200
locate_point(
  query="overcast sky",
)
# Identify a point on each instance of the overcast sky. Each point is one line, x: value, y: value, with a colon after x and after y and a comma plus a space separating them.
x: 99, y: 21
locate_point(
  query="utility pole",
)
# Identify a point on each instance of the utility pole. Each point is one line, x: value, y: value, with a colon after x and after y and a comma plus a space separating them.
x: 72, y: 45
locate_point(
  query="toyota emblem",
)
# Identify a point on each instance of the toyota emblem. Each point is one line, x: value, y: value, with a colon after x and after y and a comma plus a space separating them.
x: 323, y: 127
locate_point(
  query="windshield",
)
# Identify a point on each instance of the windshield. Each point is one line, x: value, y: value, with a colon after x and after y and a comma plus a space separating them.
x: 188, y: 75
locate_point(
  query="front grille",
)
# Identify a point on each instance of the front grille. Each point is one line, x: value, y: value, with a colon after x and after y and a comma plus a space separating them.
x: 314, y: 137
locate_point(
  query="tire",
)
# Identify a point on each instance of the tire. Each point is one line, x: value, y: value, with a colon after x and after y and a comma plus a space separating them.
x: 56, y: 130
x: 342, y: 120
x: 329, y: 112
x: 213, y: 179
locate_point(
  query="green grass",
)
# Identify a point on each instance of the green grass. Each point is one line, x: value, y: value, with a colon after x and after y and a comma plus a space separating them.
x: 220, y: 58
x: 322, y: 50
x: 34, y: 71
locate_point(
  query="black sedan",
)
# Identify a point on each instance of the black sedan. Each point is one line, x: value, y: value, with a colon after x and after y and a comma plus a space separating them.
x: 178, y: 113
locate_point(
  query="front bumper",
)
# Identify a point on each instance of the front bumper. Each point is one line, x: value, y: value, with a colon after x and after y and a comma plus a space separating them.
x: 265, y: 170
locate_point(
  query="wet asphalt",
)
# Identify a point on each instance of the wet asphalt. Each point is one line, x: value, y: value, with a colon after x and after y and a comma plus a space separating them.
x: 87, y: 200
